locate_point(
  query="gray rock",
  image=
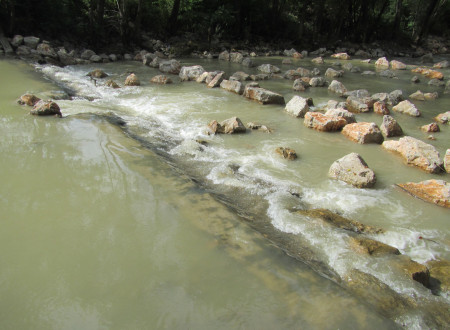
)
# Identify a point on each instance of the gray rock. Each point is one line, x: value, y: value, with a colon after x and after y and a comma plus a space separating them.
x: 232, y: 86
x: 317, y: 82
x: 236, y: 57
x: 436, y: 82
x: 268, y: 68
x: 341, y: 112
x: 359, y: 104
x: 224, y: 56
x: 299, y: 85
x: 390, y: 127
x: 359, y: 93
x: 170, y: 66
x: 31, y: 42
x: 248, y: 62
x: 95, y: 59
x: 87, y: 54
x: 17, y: 41
x: 323, y: 123
x: 229, y: 126
x: 240, y: 76
x: 23, y: 50
x: 387, y: 74
x: 332, y: 73
x: 216, y: 81
x: 337, y: 87
x: 354, y: 170
x: 263, y: 96
x: 188, y: 73
x: 297, y: 106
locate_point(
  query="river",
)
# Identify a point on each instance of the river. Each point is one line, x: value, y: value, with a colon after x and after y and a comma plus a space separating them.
x: 140, y: 226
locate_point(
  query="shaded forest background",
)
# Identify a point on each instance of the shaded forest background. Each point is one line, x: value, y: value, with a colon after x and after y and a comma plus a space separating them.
x: 301, y: 22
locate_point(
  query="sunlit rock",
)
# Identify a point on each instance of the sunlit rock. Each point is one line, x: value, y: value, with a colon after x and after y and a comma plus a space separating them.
x: 229, y: 126
x: 28, y: 99
x: 390, y: 127
x: 371, y: 247
x: 232, y: 86
x: 354, y: 170
x: 430, y: 128
x: 341, y: 112
x: 416, y: 153
x: 262, y: 95
x: 132, y: 80
x: 324, y: 123
x: 382, y: 63
x: 397, y: 65
x: 363, y: 133
x: 407, y: 108
x: 433, y: 191
x: 46, y: 108
x: 443, y: 118
x: 191, y: 72
x: 380, y: 108
x: 337, y: 87
x: 268, y: 68
x: 297, y: 106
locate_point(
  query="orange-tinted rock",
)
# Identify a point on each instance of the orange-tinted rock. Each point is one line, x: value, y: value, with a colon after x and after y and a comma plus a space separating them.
x: 363, y: 133
x: 432, y: 74
x: 430, y: 128
x: 443, y: 118
x: 447, y: 161
x: 341, y: 56
x: 397, y: 65
x: 132, y: 80
x: 381, y: 108
x: 432, y: 191
x: 321, y: 122
x: 382, y: 63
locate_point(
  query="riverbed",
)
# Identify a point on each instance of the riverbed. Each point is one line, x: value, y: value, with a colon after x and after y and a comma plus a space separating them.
x: 141, y: 226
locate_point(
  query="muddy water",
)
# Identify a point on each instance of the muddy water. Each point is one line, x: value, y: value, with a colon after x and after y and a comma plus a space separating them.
x: 107, y: 230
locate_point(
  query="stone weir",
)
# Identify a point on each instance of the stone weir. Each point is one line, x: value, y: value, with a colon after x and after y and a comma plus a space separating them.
x: 252, y: 209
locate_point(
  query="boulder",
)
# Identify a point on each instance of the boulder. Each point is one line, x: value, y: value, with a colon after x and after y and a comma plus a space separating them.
x: 132, y: 80
x: 413, y: 270
x: 443, y: 118
x: 111, y: 83
x: 432, y: 191
x: 416, y: 153
x: 191, y: 72
x: 236, y: 57
x: 429, y: 73
x: 440, y: 272
x: 216, y: 81
x: 297, y: 106
x: 363, y: 133
x: 341, y: 56
x: 31, y: 42
x: 240, y: 76
x: 268, y: 68
x: 46, y: 108
x: 171, y: 66
x: 324, y: 123
x: 300, y: 85
x: 397, y: 65
x: 317, y: 60
x: 66, y: 58
x: 28, y: 99
x: 229, y: 126
x: 418, y: 95
x: 387, y: 74
x: 45, y: 50
x: 259, y: 127
x: 263, y: 96
x: 97, y: 73
x: 380, y: 108
x: 224, y: 56
x: 317, y: 82
x: 382, y: 63
x: 359, y: 104
x: 332, y: 73
x: 372, y: 247
x: 447, y: 161
x: 87, y: 54
x: 337, y: 87
x: 23, y: 50
x: 408, y: 108
x: 17, y: 41
x: 286, y: 153
x: 430, y: 128
x: 431, y: 96
x: 354, y: 170
x: 341, y: 112
x: 390, y: 127
x: 232, y: 86
x: 248, y: 62
x: 161, y: 80
x: 436, y: 83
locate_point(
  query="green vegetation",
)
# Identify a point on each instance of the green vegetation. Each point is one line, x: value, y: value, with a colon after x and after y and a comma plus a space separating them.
x: 299, y: 21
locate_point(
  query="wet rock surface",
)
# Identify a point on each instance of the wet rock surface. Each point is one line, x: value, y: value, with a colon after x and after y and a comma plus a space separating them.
x: 432, y: 191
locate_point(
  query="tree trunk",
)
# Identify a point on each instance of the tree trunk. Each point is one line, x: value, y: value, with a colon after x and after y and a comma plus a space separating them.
x: 427, y: 20
x: 138, y: 20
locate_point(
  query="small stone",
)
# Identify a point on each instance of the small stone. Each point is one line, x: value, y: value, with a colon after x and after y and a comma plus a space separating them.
x: 415, y: 80
x: 46, y: 108
x: 286, y: 153
x: 430, y: 128
x: 97, y: 73
x: 443, y: 118
x: 28, y: 99
x: 132, y: 80
x: 111, y: 83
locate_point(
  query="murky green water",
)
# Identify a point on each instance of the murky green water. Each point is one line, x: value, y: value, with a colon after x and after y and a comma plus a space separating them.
x: 102, y: 231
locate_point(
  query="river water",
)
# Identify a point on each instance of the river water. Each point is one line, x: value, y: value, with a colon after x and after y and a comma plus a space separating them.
x: 140, y: 226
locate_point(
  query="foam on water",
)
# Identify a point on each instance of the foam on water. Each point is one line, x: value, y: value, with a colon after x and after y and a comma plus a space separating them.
x: 181, y: 118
